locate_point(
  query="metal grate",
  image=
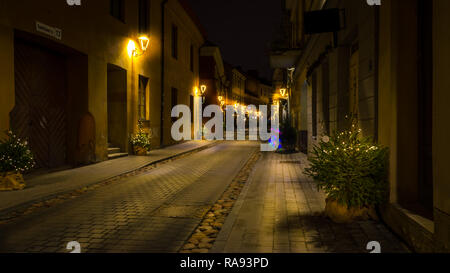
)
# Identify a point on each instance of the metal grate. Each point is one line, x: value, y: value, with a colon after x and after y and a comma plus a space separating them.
x: 291, y: 162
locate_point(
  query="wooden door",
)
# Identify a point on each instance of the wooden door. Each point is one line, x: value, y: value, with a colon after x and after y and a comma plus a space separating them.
x: 39, y: 114
x: 354, y: 83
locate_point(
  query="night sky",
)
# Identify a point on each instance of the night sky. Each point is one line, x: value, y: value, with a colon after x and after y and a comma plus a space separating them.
x: 243, y: 29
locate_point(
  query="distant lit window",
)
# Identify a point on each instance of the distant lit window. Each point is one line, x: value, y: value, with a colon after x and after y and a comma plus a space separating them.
x: 117, y: 9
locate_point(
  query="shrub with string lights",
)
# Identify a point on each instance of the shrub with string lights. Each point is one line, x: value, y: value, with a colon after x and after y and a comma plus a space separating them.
x: 141, y: 139
x: 351, y: 170
x: 15, y: 155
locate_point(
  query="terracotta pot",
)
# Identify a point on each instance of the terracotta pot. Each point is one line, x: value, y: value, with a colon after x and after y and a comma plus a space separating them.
x: 342, y: 214
x: 140, y: 151
x: 11, y: 181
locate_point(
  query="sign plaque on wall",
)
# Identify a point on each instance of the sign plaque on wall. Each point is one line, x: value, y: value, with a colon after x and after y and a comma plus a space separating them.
x: 48, y: 30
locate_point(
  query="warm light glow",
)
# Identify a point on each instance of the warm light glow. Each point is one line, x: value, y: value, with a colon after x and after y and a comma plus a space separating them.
x: 203, y: 89
x: 222, y: 103
x: 196, y: 91
x: 131, y: 48
x: 220, y: 98
x: 144, y: 41
x: 283, y: 92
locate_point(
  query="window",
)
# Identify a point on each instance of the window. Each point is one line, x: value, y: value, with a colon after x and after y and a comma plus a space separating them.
x: 192, y: 58
x: 191, y: 106
x: 326, y: 97
x: 174, y: 100
x: 314, y: 105
x: 143, y: 16
x: 175, y: 42
x: 142, y: 98
x: 117, y: 9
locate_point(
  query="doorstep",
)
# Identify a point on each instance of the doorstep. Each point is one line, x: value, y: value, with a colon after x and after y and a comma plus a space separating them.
x: 43, y: 186
x: 415, y: 230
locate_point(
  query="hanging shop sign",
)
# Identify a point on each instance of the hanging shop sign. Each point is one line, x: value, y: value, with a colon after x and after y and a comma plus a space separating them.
x: 322, y: 21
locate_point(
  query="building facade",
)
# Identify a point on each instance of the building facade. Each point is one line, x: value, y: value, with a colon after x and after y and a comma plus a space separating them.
x: 212, y: 74
x: 385, y: 68
x: 75, y: 80
x: 182, y: 41
x: 266, y: 92
x: 237, y: 79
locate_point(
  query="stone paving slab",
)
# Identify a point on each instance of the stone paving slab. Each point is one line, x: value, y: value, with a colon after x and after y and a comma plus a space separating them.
x: 44, y: 185
x: 155, y: 211
x: 281, y: 211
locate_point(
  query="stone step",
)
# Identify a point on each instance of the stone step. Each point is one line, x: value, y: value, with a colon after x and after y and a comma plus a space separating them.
x: 117, y: 155
x: 113, y: 151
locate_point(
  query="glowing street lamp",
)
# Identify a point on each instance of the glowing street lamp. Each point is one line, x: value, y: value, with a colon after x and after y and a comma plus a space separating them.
x: 203, y: 89
x: 200, y: 92
x: 283, y: 92
x: 144, y: 42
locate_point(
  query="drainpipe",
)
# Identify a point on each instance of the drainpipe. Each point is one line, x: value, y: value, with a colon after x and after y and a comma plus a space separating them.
x: 163, y: 15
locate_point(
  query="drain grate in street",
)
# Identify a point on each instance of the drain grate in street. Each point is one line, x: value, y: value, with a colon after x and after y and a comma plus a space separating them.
x: 182, y: 211
x: 290, y: 162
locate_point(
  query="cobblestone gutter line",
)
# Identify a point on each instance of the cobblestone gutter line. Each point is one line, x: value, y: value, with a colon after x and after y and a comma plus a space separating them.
x: 204, y: 236
x: 49, y: 201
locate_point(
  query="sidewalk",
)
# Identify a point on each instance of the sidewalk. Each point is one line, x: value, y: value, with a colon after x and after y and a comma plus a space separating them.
x: 280, y: 211
x: 46, y: 185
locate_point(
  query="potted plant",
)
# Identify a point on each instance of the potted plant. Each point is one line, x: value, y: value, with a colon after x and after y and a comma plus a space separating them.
x: 15, y: 159
x: 352, y: 171
x: 140, y: 141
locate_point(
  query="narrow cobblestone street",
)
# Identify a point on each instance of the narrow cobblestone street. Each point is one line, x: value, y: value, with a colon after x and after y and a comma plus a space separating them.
x: 281, y: 211
x: 152, y: 212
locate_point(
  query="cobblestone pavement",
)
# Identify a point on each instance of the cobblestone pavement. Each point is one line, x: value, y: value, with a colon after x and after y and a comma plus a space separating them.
x: 281, y: 211
x: 42, y: 185
x: 152, y: 212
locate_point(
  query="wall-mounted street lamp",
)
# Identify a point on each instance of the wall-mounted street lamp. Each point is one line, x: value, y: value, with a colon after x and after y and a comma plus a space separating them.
x: 221, y: 101
x: 283, y: 92
x: 133, y: 51
x: 200, y: 92
x: 203, y: 89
